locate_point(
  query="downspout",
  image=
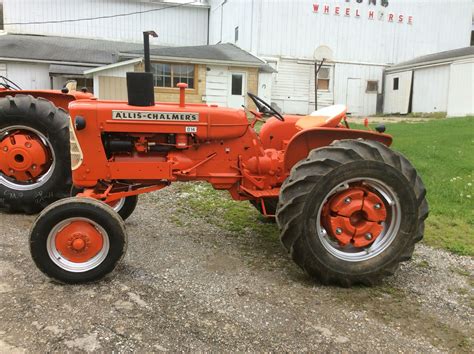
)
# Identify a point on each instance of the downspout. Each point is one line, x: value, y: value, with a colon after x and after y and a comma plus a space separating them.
x: 251, y: 28
x: 208, y: 23
x: 222, y: 19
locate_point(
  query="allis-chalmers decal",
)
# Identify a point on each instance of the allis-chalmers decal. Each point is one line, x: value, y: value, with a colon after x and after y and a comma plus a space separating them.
x: 347, y: 11
x: 160, y: 116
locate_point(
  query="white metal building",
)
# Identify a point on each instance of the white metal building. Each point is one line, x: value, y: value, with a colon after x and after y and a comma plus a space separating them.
x: 360, y: 38
x: 178, y: 22
x: 441, y: 82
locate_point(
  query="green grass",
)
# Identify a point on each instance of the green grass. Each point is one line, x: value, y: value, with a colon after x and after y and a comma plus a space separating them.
x: 219, y: 209
x: 441, y: 150
x: 443, y: 153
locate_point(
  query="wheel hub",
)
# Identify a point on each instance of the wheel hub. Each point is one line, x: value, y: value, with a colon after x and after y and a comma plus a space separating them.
x: 79, y: 241
x: 354, y: 216
x: 24, y: 156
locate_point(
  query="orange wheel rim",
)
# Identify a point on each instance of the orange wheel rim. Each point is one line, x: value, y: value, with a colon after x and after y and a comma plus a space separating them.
x: 79, y: 241
x: 354, y: 216
x: 78, y: 244
x: 24, y: 156
x: 358, y: 219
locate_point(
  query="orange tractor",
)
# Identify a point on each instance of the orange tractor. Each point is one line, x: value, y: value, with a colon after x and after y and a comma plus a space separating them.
x: 349, y: 208
x: 34, y: 146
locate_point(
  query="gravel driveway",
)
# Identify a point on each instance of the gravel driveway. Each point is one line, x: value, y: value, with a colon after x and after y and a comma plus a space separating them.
x: 190, y: 285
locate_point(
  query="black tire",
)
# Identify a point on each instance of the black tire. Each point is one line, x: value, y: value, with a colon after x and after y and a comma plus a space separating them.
x: 270, y: 206
x: 125, y: 210
x: 308, y: 185
x: 41, y: 115
x: 90, y: 210
x: 128, y: 207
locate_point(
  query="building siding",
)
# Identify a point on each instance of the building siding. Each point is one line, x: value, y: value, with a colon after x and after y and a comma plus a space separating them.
x: 29, y: 76
x: 430, y: 89
x: 184, y: 25
x: 289, y: 32
x: 299, y: 31
x: 109, y: 92
x: 461, y: 89
x: 398, y: 101
x: 368, y: 100
x: 217, y: 85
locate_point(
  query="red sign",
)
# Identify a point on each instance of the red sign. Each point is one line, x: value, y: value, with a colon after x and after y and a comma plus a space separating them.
x: 379, y: 15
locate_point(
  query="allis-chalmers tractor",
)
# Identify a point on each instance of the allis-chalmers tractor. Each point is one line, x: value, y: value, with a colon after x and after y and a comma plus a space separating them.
x: 349, y: 208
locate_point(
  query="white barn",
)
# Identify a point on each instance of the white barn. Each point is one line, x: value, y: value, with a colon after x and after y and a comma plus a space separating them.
x: 178, y: 22
x: 360, y: 38
x: 440, y: 82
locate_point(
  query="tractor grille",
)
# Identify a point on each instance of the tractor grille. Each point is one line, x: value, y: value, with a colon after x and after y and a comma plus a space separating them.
x: 76, y: 152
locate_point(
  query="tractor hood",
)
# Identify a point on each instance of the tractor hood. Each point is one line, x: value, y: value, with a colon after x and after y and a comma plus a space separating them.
x: 205, y: 122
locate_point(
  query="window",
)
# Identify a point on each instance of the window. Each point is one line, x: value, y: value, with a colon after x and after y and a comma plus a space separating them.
x: 236, y: 34
x: 395, y: 83
x: 237, y: 84
x: 323, y: 79
x: 372, y: 86
x: 169, y: 75
x: 84, y: 82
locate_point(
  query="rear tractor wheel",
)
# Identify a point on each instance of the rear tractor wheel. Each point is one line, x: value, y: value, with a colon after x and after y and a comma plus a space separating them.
x: 125, y: 206
x: 351, y: 212
x: 77, y: 240
x: 35, y: 167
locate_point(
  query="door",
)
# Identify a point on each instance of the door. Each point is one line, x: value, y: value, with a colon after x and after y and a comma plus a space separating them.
x: 398, y: 92
x: 237, y: 89
x: 353, y: 96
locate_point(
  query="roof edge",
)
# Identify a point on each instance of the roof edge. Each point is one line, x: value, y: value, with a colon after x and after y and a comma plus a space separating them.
x: 198, y: 61
x: 114, y: 65
x: 400, y: 67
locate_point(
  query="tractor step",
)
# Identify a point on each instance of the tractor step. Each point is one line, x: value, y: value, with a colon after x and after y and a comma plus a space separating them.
x: 267, y: 193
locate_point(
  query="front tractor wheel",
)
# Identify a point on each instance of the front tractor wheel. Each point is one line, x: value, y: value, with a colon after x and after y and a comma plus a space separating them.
x: 77, y: 240
x: 351, y: 212
x: 124, y: 206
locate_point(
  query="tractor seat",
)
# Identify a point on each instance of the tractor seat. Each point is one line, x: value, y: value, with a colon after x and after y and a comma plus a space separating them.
x: 326, y: 117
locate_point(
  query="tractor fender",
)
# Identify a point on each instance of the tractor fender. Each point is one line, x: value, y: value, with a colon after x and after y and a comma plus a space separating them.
x: 58, y: 98
x: 306, y: 140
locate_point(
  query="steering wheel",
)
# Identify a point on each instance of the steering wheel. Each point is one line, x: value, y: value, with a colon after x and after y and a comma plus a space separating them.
x: 264, y: 107
x: 8, y: 84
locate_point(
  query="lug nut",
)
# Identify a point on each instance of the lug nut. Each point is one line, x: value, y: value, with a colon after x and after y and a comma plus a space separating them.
x: 5, y: 148
x: 33, y: 167
x: 28, y: 145
x: 338, y: 231
x: 347, y: 200
x: 377, y: 206
x: 368, y: 236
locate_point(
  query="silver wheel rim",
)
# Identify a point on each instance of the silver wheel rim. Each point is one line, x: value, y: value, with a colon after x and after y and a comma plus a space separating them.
x: 21, y: 186
x: 391, y: 225
x: 74, y: 267
x: 119, y: 205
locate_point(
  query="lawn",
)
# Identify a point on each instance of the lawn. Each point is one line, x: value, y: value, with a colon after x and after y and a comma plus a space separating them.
x: 442, y: 151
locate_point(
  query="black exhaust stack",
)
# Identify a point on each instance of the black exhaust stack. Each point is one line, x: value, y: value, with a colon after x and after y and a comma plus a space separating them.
x: 140, y: 85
